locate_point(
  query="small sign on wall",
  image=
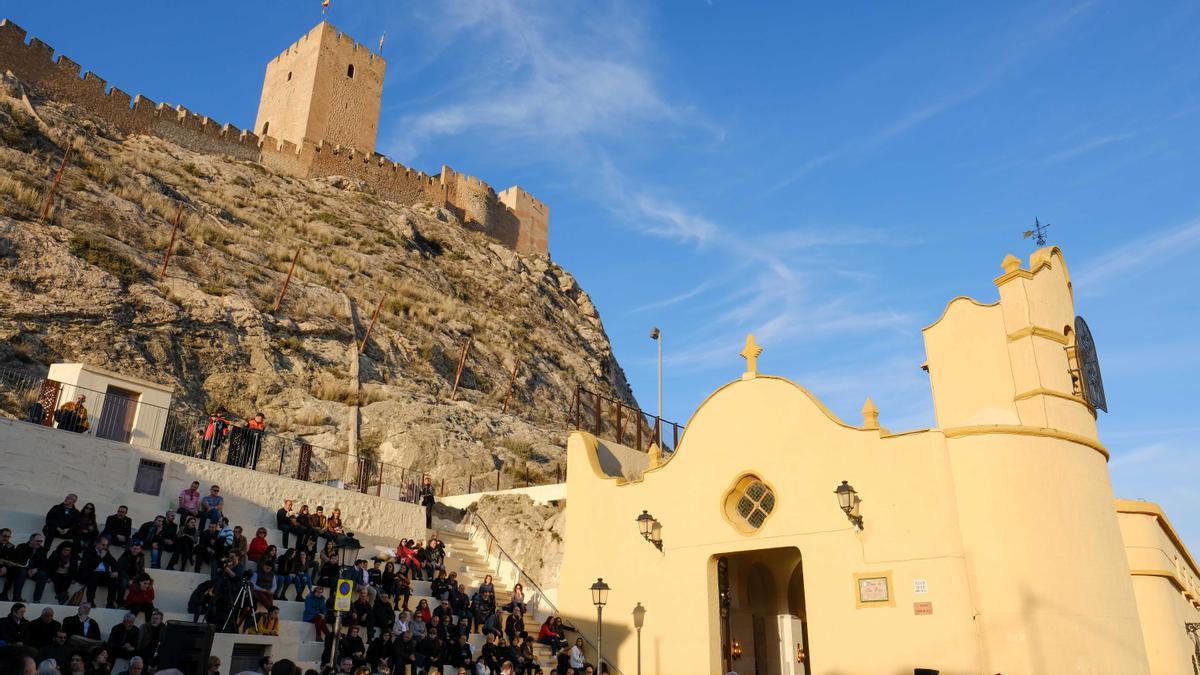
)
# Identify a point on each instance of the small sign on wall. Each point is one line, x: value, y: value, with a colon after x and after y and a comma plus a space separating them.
x: 920, y: 586
x: 922, y: 608
x: 873, y: 589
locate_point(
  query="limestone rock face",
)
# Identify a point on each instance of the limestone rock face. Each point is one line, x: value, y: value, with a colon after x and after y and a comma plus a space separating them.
x: 85, y: 286
x: 531, y: 534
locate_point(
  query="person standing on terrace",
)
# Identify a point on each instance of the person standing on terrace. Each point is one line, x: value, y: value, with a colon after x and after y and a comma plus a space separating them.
x: 255, y: 428
x: 427, y: 500
x: 214, y: 435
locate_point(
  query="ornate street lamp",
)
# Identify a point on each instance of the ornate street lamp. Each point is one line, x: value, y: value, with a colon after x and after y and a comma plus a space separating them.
x: 651, y: 529
x: 639, y: 618
x: 348, y: 548
x: 848, y: 500
x: 599, y: 599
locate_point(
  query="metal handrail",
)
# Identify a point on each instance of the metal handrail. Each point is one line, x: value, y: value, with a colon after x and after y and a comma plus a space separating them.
x: 648, y: 429
x: 478, y: 521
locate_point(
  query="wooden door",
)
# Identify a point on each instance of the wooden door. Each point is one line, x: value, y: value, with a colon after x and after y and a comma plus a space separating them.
x: 117, y: 415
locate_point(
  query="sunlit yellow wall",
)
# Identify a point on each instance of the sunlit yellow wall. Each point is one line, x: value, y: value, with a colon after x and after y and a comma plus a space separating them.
x: 1006, y: 510
x: 1165, y: 582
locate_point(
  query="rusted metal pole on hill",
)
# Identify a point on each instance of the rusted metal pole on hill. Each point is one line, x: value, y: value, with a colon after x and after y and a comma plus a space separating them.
x: 171, y: 246
x: 512, y: 381
x: 620, y: 429
x: 57, y: 179
x: 283, y: 289
x: 462, y: 361
x: 371, y: 325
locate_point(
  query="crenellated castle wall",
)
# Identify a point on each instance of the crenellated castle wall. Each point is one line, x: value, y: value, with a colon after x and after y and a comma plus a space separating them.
x: 512, y: 220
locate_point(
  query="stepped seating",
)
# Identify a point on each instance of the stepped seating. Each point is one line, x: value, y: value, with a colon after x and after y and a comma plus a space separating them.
x: 24, y: 511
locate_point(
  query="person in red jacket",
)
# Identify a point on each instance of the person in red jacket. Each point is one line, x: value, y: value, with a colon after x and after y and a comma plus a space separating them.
x: 258, y: 546
x: 140, y: 596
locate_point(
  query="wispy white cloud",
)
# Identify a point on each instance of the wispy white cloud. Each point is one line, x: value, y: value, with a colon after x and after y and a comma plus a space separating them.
x: 1012, y: 50
x: 671, y: 221
x: 675, y: 299
x: 1138, y: 255
x: 1140, y: 455
x: 1087, y: 146
x: 546, y: 74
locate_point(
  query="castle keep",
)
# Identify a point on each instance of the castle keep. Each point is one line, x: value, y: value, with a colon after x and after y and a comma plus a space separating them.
x: 318, y: 116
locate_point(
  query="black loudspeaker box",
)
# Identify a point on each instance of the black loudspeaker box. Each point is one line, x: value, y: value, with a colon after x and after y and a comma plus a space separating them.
x: 186, y: 646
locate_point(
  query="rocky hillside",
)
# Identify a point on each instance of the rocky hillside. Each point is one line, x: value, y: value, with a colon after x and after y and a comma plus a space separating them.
x: 84, y: 286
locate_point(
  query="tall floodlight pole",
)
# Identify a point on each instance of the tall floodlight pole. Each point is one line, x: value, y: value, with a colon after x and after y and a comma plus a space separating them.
x: 656, y: 335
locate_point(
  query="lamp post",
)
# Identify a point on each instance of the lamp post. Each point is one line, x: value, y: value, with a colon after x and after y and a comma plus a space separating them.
x: 639, y: 618
x: 348, y: 548
x: 599, y: 599
x: 656, y: 335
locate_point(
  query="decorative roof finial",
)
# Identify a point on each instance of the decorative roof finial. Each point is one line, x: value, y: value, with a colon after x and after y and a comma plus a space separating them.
x: 750, y: 353
x: 870, y: 415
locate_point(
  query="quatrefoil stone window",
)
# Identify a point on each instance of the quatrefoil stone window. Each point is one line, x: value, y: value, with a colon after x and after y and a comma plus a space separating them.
x: 749, y: 504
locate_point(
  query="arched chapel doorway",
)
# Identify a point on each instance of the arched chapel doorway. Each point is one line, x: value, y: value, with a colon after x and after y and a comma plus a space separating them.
x: 760, y: 599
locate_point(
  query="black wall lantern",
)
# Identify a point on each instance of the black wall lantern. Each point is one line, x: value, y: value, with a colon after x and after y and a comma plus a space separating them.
x: 848, y: 500
x: 651, y: 529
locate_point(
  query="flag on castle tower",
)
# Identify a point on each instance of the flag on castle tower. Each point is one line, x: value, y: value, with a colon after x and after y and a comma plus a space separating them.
x: 324, y: 6
x: 381, y: 39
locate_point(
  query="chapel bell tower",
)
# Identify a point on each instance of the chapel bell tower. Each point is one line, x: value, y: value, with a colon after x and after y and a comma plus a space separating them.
x: 324, y: 88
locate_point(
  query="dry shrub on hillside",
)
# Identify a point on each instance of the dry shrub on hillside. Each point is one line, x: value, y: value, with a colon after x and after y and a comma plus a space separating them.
x: 99, y: 252
x: 25, y: 199
x: 328, y: 387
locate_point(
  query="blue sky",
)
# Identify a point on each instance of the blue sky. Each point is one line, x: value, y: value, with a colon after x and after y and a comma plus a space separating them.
x: 825, y: 176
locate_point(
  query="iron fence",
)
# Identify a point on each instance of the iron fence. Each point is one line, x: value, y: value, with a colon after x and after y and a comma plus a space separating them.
x: 37, y: 399
x: 608, y: 418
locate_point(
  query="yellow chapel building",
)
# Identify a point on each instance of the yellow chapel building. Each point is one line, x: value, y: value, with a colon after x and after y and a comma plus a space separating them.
x: 793, y: 542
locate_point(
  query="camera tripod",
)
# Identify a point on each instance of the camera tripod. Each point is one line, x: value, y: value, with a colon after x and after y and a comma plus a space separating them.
x: 244, y: 599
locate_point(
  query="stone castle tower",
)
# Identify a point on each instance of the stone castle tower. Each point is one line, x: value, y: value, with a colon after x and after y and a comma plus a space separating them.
x: 323, y: 88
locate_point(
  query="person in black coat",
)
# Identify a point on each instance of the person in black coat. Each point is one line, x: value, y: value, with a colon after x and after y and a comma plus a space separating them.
x: 150, y: 534
x: 96, y: 567
x: 170, y: 534
x: 60, y: 519
x: 382, y: 614
x: 352, y: 645
x: 82, y: 624
x: 14, y: 628
x: 362, y: 613
x: 123, y: 639
x: 118, y: 527
x: 405, y: 654
x: 43, y: 628
x: 382, y: 650
x: 429, y: 653
x: 458, y: 653
x: 200, y: 601
x: 208, y: 546
x: 58, y: 649
x: 131, y: 565
x: 32, y: 555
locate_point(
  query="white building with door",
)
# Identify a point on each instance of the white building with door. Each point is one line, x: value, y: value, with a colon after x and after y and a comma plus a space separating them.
x: 119, y: 407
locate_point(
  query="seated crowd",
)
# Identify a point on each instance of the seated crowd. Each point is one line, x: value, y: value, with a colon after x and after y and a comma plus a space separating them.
x: 382, y: 631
